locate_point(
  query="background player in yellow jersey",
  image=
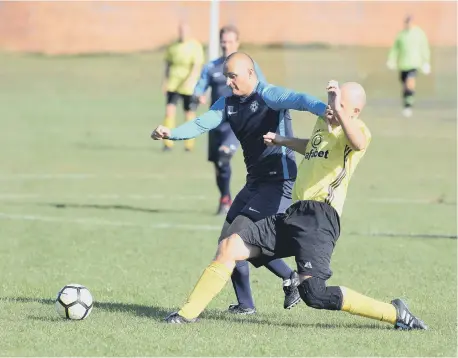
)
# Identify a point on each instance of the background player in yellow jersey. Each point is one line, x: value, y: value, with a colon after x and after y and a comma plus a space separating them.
x: 183, y: 62
x: 309, y: 228
x: 409, y: 53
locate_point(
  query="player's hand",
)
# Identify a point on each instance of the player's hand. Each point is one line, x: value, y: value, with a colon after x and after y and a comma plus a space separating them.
x: 202, y: 99
x: 164, y: 87
x: 329, y: 113
x: 271, y: 139
x: 190, y: 82
x: 334, y: 96
x: 224, y: 149
x: 161, y: 132
x: 391, y: 65
x: 426, y: 69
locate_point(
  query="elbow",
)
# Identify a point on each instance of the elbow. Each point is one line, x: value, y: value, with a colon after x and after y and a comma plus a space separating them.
x: 358, y: 143
x: 359, y: 146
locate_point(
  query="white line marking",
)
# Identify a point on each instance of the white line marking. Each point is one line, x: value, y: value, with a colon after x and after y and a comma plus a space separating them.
x: 85, y: 176
x: 114, y: 196
x: 45, y: 176
x: 90, y: 221
x: 19, y: 196
x: 398, y: 201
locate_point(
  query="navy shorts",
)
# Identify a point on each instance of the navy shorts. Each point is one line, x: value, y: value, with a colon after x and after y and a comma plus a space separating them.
x: 260, y: 200
x: 221, y: 135
x: 404, y: 75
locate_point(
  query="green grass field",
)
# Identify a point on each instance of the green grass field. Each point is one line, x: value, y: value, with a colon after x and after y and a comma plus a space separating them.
x: 86, y: 197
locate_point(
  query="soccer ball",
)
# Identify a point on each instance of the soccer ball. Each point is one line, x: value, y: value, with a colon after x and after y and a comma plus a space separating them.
x: 74, y: 302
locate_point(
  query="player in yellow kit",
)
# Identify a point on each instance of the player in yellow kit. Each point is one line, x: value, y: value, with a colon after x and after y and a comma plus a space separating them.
x: 310, y: 227
x: 183, y: 62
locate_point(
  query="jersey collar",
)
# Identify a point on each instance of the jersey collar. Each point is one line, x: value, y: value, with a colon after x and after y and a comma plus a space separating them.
x: 245, y: 98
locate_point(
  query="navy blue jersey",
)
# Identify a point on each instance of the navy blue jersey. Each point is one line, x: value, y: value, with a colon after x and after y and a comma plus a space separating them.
x: 266, y: 109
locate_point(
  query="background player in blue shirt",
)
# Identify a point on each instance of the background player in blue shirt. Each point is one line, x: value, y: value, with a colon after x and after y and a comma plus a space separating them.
x: 222, y: 142
x: 255, y: 108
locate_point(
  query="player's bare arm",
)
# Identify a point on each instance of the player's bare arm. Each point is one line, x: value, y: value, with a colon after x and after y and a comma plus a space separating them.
x: 193, y: 74
x: 350, y: 127
x: 166, y: 76
x: 296, y: 144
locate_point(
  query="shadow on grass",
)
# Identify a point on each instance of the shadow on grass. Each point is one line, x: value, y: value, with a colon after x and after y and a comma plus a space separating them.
x: 158, y: 313
x: 101, y: 207
x: 110, y: 207
x: 46, y: 319
x: 139, y: 310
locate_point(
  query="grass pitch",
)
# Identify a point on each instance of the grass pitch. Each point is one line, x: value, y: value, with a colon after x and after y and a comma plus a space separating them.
x: 86, y: 197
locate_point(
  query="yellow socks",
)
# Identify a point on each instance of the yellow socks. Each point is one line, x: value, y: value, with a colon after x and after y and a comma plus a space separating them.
x: 189, y: 144
x: 169, y: 122
x: 212, y: 281
x: 358, y: 304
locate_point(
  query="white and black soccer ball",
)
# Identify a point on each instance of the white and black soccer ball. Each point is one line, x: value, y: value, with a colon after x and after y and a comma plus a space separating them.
x: 74, y: 302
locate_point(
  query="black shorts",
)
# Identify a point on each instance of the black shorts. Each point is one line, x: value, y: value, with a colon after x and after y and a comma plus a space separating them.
x: 308, y: 230
x: 404, y: 75
x: 189, y: 102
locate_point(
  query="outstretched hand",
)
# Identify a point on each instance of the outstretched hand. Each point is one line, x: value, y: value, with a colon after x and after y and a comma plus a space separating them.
x: 161, y: 132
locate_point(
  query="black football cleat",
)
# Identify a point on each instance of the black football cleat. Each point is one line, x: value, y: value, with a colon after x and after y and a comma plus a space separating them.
x: 405, y: 320
x: 292, y: 296
x: 240, y: 310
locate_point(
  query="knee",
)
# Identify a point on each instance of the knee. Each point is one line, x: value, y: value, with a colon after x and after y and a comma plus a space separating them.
x: 410, y: 81
x: 225, y: 154
x: 227, y: 249
x: 170, y: 110
x: 315, y: 294
x: 311, y: 291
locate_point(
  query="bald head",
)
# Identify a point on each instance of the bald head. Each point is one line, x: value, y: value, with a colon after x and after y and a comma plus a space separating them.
x: 353, y: 96
x: 183, y: 30
x: 408, y: 20
x: 239, y: 62
x: 240, y: 57
x: 240, y: 73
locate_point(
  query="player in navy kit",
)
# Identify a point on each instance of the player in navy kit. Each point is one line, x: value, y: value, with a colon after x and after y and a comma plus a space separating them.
x: 222, y: 142
x: 254, y: 108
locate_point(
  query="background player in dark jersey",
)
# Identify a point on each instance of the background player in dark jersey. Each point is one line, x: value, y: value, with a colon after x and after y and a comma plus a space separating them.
x: 254, y: 109
x: 222, y: 142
